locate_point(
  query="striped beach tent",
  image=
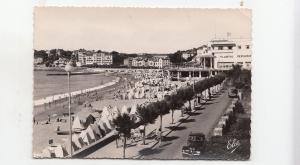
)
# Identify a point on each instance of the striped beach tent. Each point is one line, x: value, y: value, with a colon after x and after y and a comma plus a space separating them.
x: 85, y: 137
x: 91, y: 133
x: 103, y: 128
x: 77, y: 142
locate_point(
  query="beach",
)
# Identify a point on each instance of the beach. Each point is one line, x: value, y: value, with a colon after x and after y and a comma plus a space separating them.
x: 97, y: 91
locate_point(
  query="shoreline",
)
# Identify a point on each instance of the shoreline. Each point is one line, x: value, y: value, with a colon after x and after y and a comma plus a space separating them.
x: 57, y: 97
x: 59, y: 107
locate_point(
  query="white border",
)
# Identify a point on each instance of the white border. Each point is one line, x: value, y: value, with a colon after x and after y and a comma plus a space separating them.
x: 273, y: 30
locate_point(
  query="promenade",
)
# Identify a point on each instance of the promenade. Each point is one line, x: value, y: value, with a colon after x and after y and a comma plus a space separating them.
x: 175, y: 135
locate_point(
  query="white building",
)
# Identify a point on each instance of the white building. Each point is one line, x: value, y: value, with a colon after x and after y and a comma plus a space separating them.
x: 229, y: 52
x: 99, y: 58
x: 157, y: 62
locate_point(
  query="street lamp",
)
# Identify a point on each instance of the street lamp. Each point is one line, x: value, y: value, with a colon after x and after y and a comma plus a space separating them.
x: 68, y: 69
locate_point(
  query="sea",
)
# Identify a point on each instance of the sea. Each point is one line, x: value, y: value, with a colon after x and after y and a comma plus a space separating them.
x: 52, y: 85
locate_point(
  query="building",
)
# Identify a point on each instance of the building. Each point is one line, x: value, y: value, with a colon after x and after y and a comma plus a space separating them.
x: 128, y: 62
x: 38, y: 60
x: 156, y: 61
x: 229, y: 52
x: 61, y: 62
x: 91, y: 58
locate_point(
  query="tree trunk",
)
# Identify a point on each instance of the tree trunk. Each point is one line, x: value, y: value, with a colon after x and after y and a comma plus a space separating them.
x: 144, y: 135
x: 160, y: 128
x: 124, y: 147
x: 172, y: 116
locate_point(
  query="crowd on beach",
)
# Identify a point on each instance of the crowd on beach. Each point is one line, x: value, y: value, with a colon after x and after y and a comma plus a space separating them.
x: 92, y: 124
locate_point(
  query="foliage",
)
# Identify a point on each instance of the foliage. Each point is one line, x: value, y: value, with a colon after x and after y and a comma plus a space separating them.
x: 124, y: 123
x: 177, y: 58
x: 146, y: 115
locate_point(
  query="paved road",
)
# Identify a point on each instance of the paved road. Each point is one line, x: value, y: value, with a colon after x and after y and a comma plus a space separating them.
x: 202, y: 121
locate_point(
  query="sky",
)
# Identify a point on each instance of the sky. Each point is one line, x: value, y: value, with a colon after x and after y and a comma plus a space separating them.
x: 136, y: 30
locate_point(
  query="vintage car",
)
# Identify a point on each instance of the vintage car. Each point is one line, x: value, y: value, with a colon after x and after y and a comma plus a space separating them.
x: 195, y: 145
x: 232, y: 93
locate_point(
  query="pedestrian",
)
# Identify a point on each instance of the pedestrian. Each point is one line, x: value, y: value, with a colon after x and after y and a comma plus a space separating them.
x: 33, y: 120
x: 48, y: 118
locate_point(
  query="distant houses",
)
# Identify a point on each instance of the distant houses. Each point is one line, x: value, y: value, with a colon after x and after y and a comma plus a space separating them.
x: 92, y: 57
x: 218, y: 54
x: 150, y: 62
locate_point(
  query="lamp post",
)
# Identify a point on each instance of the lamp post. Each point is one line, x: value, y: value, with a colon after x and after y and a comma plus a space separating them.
x: 68, y: 69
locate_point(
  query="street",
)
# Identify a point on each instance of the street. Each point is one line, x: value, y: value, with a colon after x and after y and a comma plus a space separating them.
x: 202, y: 120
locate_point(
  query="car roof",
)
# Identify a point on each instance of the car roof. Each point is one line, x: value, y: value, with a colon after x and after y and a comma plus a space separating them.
x: 196, y: 134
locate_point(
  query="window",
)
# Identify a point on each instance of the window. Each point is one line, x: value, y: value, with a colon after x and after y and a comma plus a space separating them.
x: 247, y: 46
x: 240, y: 47
x: 220, y: 47
x: 230, y: 47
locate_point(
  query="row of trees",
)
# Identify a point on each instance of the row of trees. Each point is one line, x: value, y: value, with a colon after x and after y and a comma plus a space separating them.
x: 149, y: 113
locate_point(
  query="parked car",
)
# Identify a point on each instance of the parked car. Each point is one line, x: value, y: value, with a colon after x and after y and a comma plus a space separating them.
x: 233, y: 93
x: 195, y: 145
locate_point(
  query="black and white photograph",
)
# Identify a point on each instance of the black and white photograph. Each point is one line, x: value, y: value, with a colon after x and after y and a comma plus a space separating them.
x: 142, y: 83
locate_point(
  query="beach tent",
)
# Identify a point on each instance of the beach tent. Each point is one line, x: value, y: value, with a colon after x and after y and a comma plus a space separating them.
x: 110, y: 119
x: 107, y: 123
x: 133, y: 109
x: 222, y: 122
x: 96, y: 115
x: 85, y: 117
x: 60, y: 151
x: 77, y: 142
x: 77, y: 125
x: 85, y: 137
x: 218, y: 131
x: 124, y: 109
x: 97, y: 131
x: 46, y: 153
x: 91, y: 133
x: 105, y: 111
x: 136, y: 94
x: 225, y: 117
x: 103, y: 128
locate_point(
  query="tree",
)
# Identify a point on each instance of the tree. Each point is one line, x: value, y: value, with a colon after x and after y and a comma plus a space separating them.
x: 176, y: 58
x: 124, y: 123
x: 235, y: 72
x: 186, y: 94
x: 174, y: 102
x: 160, y: 108
x: 146, y: 116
